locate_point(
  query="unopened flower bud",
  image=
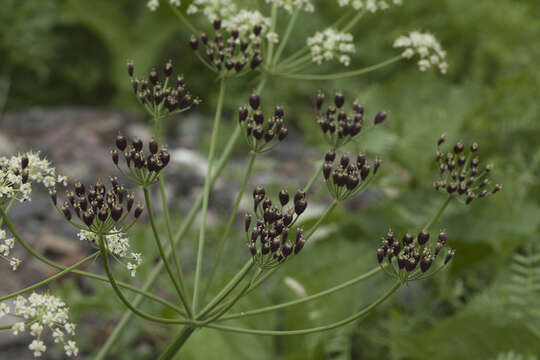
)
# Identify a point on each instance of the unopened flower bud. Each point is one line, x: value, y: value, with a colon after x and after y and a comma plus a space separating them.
x: 380, y: 117
x: 339, y: 100
x: 442, y: 237
x: 153, y: 146
x: 330, y: 156
x: 376, y: 165
x: 282, y: 134
x: 24, y: 162
x: 138, y: 211
x: 423, y: 237
x: 121, y: 142
x: 497, y: 188
x: 114, y: 156
x: 283, y: 197
x: 327, y: 169
x: 254, y: 101
x: 130, y: 68
x: 320, y: 100
x: 449, y: 256
x: 408, y: 239
x: 247, y: 222
x: 88, y: 217
x: 441, y: 140
x: 300, y: 206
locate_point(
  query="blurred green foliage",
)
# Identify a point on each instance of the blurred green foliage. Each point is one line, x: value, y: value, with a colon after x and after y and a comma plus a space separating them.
x: 74, y: 52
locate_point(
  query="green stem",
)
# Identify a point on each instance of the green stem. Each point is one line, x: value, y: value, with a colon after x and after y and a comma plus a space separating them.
x: 186, y: 224
x: 439, y: 213
x: 339, y: 75
x: 272, y: 29
x: 288, y: 31
x: 180, y: 275
x: 206, y: 196
x: 53, y: 264
x: 50, y: 279
x: 177, y: 343
x: 184, y: 19
x: 222, y: 242
x: 354, y: 21
x: 314, y: 178
x: 322, y: 218
x: 310, y: 330
x: 162, y: 253
x: 304, y: 299
x: 121, y: 296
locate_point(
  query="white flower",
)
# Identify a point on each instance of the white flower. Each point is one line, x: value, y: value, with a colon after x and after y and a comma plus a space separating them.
x: 152, y: 5
x: 272, y: 37
x: 44, y: 313
x: 427, y: 47
x: 37, y: 347
x: 71, y: 348
x: 290, y: 5
x: 4, y: 309
x: 245, y: 20
x: 117, y: 244
x: 14, y: 263
x: 5, y: 250
x: 175, y: 2
x: 369, y: 5
x: 213, y: 9
x: 330, y: 43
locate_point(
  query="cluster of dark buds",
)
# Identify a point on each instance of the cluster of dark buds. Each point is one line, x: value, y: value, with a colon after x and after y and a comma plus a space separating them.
x: 268, y: 239
x: 346, y: 179
x: 162, y: 99
x: 144, y: 169
x: 99, y: 209
x: 461, y: 174
x: 261, y: 135
x: 337, y: 125
x: 413, y: 257
x: 231, y: 53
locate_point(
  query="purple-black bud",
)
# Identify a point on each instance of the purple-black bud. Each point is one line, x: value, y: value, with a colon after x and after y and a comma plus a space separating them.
x: 339, y: 100
x: 254, y: 101
x: 153, y: 146
x: 138, y: 211
x: 284, y: 197
x: 121, y: 142
x: 423, y: 237
x: 380, y: 117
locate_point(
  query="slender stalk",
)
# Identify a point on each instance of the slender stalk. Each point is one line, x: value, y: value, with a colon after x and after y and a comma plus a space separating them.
x: 354, y: 21
x: 52, y: 278
x: 304, y: 299
x: 182, y: 230
x: 439, y: 213
x: 288, y: 31
x: 184, y: 19
x: 170, y: 236
x: 339, y: 75
x: 314, y: 178
x: 230, y: 222
x: 272, y: 29
x: 310, y: 330
x: 202, y: 233
x: 293, y: 64
x: 177, y: 343
x: 121, y: 296
x: 53, y: 264
x: 322, y: 219
x: 181, y: 295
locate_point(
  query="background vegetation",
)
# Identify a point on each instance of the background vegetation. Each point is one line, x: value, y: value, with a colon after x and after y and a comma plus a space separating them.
x: 72, y: 52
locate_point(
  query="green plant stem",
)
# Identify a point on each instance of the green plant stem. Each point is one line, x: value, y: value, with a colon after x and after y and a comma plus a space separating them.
x: 53, y: 264
x: 182, y: 230
x: 222, y: 242
x: 439, y: 213
x: 170, y: 237
x: 162, y: 253
x: 184, y: 19
x: 322, y: 219
x: 206, y: 196
x: 177, y: 343
x: 354, y: 21
x: 121, y: 296
x: 314, y: 178
x: 339, y: 75
x: 273, y: 19
x: 285, y: 40
x: 304, y: 299
x: 310, y: 330
x: 50, y: 279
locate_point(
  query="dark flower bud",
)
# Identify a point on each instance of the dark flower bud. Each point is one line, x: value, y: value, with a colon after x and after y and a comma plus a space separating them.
x: 247, y: 222
x: 255, y: 61
x: 282, y: 134
x: 258, y: 132
x: 255, y: 235
x: 299, y: 245
x: 114, y: 155
x: 130, y: 200
x: 287, y: 249
x: 380, y: 255
x: 204, y: 38
x: 217, y: 24
x: 423, y: 237
x: 138, y: 211
x: 252, y: 249
x: 257, y: 29
x: 300, y: 206
x: 137, y: 144
x: 449, y: 256
x: 79, y: 189
x: 441, y: 140
x: 135, y: 85
x: 259, y: 191
x: 168, y: 68
x: 103, y: 214
x: 408, y: 239
x: 459, y: 147
x: 364, y: 172
x: 278, y: 112
x: 352, y: 182
x: 327, y: 169
x: 24, y: 162
x: 258, y: 116
x: 497, y: 188
x: 88, y: 217
x: 243, y: 113
x: 288, y: 218
x: 153, y: 146
x: 380, y: 117
x: 283, y: 197
x: 130, y: 68
x: 320, y: 100
x: 194, y: 42
x: 425, y: 264
x: 52, y: 193
x: 66, y: 212
x: 116, y: 212
x: 24, y: 176
x: 357, y: 108
x: 451, y: 188
x: 376, y: 165
x: 276, y: 242
x: 339, y: 100
x: 269, y: 135
x: 474, y: 147
x: 265, y: 248
x: 330, y: 156
x: 121, y: 142
x: 442, y: 238
x: 344, y: 161
x: 153, y: 77
x: 254, y: 101
x: 164, y: 157
x: 360, y: 160
x: 300, y: 194
x: 470, y: 197
x: 284, y: 235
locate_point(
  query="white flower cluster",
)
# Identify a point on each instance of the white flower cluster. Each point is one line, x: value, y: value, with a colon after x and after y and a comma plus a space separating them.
x: 369, y: 5
x: 213, y: 9
x: 38, y: 313
x: 427, y: 47
x: 5, y: 249
x: 245, y: 20
x: 290, y: 5
x: 329, y: 44
x: 154, y: 4
x: 118, y: 246
x: 12, y: 175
